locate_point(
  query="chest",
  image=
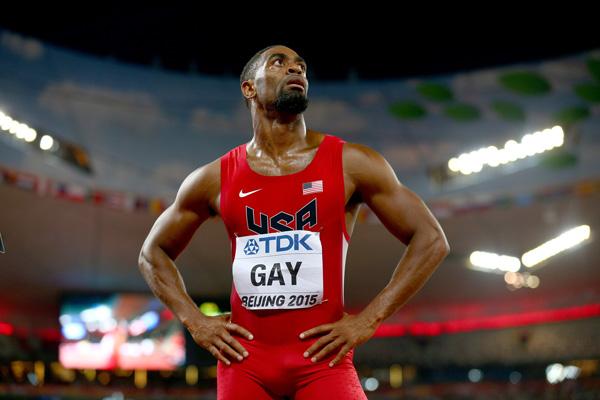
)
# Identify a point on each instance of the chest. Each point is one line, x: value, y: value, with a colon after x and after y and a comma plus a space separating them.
x: 260, y: 205
x: 284, y: 164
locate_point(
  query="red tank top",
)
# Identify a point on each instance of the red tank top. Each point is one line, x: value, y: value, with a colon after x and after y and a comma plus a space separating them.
x: 312, y: 199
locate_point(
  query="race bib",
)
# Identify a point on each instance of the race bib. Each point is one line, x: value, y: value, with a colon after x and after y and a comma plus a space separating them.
x: 279, y: 270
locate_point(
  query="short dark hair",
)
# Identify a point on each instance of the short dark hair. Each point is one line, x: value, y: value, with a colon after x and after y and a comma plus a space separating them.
x: 251, y: 66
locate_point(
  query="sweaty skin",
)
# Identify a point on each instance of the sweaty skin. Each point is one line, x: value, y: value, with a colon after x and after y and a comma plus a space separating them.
x: 282, y: 145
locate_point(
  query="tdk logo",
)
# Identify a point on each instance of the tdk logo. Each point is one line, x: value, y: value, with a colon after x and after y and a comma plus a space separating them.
x: 251, y: 247
x: 277, y: 244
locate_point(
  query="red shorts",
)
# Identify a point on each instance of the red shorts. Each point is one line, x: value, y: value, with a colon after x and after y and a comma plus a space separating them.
x: 281, y: 372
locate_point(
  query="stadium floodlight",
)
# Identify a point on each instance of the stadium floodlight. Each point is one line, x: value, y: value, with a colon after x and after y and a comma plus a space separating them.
x: 557, y: 245
x: 494, y: 262
x: 530, y: 145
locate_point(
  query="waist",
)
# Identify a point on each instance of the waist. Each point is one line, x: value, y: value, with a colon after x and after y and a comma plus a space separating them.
x: 284, y: 326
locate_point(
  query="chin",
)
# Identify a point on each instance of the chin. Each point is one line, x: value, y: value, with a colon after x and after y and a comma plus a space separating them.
x: 292, y: 102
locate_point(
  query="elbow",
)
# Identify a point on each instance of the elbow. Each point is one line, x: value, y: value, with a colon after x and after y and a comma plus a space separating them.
x: 148, y: 268
x: 144, y: 261
x: 441, y: 244
x: 436, y: 243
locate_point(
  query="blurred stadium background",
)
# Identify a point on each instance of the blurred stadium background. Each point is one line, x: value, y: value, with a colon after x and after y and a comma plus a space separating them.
x: 104, y: 111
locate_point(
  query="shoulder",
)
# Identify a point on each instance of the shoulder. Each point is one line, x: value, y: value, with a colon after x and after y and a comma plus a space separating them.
x: 359, y: 160
x: 366, y: 170
x: 358, y: 152
x: 208, y: 174
x: 201, y: 188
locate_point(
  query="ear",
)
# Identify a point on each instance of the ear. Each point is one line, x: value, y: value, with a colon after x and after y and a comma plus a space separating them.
x: 248, y: 89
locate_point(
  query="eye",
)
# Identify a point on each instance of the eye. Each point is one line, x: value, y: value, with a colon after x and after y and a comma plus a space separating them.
x: 278, y: 62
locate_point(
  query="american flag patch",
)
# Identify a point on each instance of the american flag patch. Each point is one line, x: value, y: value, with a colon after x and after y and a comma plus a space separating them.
x: 312, y: 187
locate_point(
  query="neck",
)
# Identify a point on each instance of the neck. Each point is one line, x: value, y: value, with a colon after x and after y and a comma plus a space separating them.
x: 278, y: 134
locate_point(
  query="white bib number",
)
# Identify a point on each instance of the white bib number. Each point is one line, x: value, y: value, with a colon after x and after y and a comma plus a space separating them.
x: 279, y: 270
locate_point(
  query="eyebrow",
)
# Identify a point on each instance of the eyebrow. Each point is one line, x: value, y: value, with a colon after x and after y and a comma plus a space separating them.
x: 277, y: 55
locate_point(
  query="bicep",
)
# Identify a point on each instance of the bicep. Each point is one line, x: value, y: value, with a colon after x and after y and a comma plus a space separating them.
x: 194, y: 204
x: 399, y: 209
x: 174, y: 229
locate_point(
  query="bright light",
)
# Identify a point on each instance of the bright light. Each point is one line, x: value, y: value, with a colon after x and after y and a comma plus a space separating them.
x: 492, y: 156
x: 65, y: 319
x: 6, y: 123
x: 551, y: 248
x: 74, y: 331
x: 107, y: 325
x: 21, y: 131
x: 503, y: 156
x: 465, y: 164
x: 494, y: 261
x: 531, y: 144
x: 191, y: 375
x: 14, y: 127
x: 396, y: 376
x: 556, y: 373
x: 30, y: 135
x: 137, y: 327
x: 512, y: 149
x: 147, y: 347
x: 572, y: 372
x: 140, y: 378
x: 103, y: 312
x: 475, y: 375
x: 46, y: 142
x: 557, y: 135
x: 508, y: 263
x: 517, y: 280
x: 532, y: 281
x: 453, y: 165
x: 511, y: 278
x: 371, y: 384
x: 98, y: 313
x: 150, y: 319
x: 130, y: 350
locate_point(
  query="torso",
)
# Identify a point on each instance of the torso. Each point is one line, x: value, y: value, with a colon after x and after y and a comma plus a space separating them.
x: 257, y: 199
x: 296, y: 161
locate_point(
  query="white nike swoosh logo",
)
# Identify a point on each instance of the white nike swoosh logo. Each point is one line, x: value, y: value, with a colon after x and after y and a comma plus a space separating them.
x: 242, y: 194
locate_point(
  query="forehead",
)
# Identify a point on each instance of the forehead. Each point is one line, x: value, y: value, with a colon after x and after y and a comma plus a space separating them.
x: 281, y: 50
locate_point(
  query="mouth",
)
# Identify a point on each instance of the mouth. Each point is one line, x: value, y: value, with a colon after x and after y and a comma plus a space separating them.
x: 296, y: 83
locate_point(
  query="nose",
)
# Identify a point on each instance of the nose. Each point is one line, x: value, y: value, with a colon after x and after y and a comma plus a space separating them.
x: 294, y: 69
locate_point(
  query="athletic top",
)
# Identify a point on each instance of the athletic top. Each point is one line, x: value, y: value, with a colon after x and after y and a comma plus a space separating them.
x: 310, y: 200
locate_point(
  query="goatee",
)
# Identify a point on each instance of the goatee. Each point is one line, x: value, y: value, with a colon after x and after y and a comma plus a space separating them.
x: 291, y: 102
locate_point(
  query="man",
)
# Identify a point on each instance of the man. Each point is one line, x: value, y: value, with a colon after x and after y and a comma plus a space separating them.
x: 289, y: 199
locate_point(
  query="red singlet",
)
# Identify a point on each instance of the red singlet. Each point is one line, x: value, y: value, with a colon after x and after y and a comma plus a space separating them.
x: 310, y: 200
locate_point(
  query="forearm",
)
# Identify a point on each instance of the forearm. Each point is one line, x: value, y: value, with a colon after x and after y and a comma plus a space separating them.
x: 424, y: 253
x: 166, y: 283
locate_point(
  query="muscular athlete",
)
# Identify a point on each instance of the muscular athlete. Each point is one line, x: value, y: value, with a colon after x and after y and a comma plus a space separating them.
x: 293, y: 193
